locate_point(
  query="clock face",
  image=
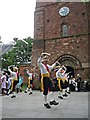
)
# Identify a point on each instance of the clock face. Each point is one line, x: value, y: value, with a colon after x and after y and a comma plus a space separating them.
x: 64, y: 11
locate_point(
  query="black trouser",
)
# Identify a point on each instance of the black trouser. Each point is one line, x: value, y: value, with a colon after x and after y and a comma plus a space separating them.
x: 3, y: 90
x: 66, y: 84
x: 46, y: 85
x: 62, y: 84
x: 54, y: 85
x: 79, y: 86
x: 13, y: 85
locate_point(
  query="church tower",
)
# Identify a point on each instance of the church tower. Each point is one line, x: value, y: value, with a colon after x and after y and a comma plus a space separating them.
x: 62, y: 29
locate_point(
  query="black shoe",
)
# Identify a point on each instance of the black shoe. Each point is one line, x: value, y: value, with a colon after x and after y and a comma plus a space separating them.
x: 20, y: 90
x: 17, y: 90
x: 30, y: 93
x: 60, y: 97
x: 65, y: 95
x: 10, y: 92
x: 68, y: 92
x: 53, y: 102
x: 25, y: 91
x: 13, y: 96
x: 7, y: 94
x: 47, y: 105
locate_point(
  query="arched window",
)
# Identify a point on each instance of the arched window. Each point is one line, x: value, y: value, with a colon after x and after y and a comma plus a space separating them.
x: 64, y: 29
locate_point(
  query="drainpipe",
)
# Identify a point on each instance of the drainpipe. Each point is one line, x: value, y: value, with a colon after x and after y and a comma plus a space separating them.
x: 44, y: 30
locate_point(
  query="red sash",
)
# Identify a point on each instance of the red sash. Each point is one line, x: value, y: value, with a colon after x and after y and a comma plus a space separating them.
x: 47, y: 68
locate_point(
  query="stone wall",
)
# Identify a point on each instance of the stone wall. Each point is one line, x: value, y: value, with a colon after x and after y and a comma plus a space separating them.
x: 48, y: 34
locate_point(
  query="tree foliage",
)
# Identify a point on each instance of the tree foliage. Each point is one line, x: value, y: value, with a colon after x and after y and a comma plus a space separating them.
x: 85, y: 0
x: 20, y: 53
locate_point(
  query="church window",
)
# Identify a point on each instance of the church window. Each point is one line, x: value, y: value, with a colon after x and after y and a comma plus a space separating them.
x: 64, y: 30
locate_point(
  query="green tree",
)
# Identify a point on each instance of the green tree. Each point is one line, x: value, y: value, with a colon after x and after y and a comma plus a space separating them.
x: 20, y: 53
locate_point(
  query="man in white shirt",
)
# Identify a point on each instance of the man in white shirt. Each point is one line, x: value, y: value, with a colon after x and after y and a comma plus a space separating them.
x: 60, y: 75
x: 45, y: 69
x: 30, y: 80
x: 14, y: 77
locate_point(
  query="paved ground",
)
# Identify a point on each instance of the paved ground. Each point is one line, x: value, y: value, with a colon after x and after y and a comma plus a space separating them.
x: 31, y: 106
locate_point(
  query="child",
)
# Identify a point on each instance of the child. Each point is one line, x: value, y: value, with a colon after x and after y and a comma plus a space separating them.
x: 19, y: 85
x: 3, y: 83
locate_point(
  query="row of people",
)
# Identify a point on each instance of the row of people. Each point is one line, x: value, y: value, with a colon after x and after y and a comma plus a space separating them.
x: 46, y: 84
x: 61, y: 79
x: 74, y: 84
x: 12, y: 81
x: 15, y: 80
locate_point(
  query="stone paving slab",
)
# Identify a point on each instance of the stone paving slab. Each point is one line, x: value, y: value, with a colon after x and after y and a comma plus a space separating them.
x: 31, y: 106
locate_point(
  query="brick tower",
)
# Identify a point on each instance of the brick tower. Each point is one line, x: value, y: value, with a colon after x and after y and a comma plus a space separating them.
x: 62, y: 29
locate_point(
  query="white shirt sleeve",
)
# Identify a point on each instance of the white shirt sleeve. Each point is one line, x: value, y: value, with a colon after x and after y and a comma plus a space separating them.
x: 39, y: 62
x: 52, y: 66
x: 11, y: 72
x: 27, y: 72
x: 57, y: 74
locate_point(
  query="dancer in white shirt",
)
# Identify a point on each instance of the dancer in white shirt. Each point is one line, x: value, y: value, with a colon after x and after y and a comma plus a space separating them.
x: 45, y: 69
x: 14, y: 77
x: 60, y: 75
x: 30, y: 80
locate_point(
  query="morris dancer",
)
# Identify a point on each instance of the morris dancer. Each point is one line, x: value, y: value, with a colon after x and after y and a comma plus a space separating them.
x: 45, y: 77
x: 14, y: 76
x: 60, y: 75
x: 30, y: 80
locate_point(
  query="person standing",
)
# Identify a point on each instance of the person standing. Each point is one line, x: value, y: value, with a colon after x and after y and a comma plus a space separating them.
x: 60, y: 75
x: 14, y: 77
x: 3, y: 83
x: 30, y: 80
x: 67, y: 83
x: 45, y: 69
x: 78, y: 82
x: 20, y: 83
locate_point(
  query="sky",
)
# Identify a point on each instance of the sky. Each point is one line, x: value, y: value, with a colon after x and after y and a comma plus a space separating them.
x: 16, y: 19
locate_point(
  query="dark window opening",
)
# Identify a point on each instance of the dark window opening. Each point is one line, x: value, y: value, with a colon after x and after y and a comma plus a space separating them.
x: 64, y: 30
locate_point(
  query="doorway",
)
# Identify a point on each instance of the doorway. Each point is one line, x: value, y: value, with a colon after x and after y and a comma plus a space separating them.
x: 70, y: 70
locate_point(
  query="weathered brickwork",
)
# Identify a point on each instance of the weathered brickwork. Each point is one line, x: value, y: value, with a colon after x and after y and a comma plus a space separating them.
x: 48, y: 34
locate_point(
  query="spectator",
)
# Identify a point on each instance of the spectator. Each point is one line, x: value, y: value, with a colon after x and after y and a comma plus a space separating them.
x: 3, y: 83
x: 78, y: 82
